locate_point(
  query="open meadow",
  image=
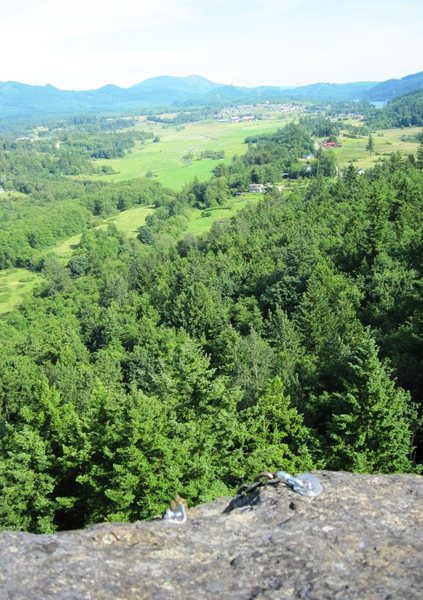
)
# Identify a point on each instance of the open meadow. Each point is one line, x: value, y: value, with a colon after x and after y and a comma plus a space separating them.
x: 386, y: 141
x: 14, y: 284
x: 165, y: 160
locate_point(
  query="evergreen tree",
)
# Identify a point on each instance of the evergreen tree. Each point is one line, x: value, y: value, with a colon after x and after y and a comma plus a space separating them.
x: 370, y: 430
x: 419, y: 159
x: 370, y: 147
x: 275, y: 435
x: 376, y: 234
x: 328, y: 324
x: 26, y: 482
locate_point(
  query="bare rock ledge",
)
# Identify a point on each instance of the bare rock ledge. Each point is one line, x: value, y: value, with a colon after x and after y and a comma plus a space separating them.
x: 362, y: 539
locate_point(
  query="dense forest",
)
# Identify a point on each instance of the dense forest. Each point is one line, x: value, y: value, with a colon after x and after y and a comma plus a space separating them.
x: 288, y: 337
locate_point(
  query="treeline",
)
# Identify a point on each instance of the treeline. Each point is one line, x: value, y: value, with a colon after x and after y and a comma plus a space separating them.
x: 288, y: 337
x: 347, y: 107
x: 405, y: 111
x: 321, y: 126
x: 212, y: 154
x: 28, y: 228
x: 93, y: 123
x: 182, y: 117
x: 25, y: 166
x: 107, y: 145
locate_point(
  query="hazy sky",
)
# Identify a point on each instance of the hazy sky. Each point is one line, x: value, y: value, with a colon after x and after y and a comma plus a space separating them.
x: 82, y: 44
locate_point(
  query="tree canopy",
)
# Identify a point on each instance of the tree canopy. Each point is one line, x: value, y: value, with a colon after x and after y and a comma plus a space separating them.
x: 289, y: 336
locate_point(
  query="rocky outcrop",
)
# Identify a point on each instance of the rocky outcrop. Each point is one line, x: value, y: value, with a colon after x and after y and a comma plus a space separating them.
x: 362, y: 538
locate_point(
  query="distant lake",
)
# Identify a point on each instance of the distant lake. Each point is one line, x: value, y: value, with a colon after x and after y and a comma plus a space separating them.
x: 379, y: 104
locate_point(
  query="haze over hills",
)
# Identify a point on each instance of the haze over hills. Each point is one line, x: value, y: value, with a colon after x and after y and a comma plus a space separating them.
x: 392, y: 88
x: 21, y: 100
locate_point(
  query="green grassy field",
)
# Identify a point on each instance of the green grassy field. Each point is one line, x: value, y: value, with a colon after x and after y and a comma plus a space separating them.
x: 14, y: 284
x: 165, y: 159
x: 65, y: 249
x: 7, y: 196
x: 385, y: 141
x: 129, y: 221
x: 202, y: 221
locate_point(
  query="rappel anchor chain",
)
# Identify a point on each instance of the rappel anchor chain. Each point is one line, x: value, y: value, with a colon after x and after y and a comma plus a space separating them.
x: 304, y: 484
x: 176, y: 515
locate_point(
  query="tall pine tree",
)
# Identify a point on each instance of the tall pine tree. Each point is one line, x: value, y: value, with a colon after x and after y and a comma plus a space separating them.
x: 370, y: 430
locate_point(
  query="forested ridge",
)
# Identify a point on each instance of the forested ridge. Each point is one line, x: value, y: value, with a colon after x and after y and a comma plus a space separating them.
x: 288, y: 337
x: 404, y: 111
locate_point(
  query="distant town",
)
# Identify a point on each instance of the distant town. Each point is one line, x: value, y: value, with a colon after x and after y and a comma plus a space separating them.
x: 249, y: 112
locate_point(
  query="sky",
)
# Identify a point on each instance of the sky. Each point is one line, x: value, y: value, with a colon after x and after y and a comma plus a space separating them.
x: 84, y: 44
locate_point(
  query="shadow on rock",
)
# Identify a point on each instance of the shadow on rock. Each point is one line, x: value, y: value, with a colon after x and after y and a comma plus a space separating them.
x: 250, y: 500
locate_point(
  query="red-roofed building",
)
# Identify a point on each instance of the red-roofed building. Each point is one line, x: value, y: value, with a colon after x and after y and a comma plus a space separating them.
x: 328, y: 144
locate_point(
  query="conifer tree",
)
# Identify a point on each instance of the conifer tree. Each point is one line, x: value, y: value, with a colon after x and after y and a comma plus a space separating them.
x: 370, y: 430
x: 26, y: 482
x: 276, y: 437
x: 370, y: 145
x: 419, y: 160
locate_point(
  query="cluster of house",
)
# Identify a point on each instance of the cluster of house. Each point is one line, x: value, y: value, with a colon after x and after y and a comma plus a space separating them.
x: 249, y: 112
x: 239, y: 119
x: 261, y: 188
x: 344, y: 116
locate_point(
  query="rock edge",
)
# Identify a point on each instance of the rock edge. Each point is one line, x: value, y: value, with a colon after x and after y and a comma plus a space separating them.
x: 361, y: 539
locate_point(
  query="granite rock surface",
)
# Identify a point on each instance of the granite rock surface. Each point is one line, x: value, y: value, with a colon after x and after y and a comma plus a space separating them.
x: 362, y: 539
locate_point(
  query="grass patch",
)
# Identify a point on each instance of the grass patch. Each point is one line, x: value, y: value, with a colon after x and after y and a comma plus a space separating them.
x: 129, y: 221
x: 10, y: 196
x: 202, y: 220
x: 14, y: 285
x: 65, y: 249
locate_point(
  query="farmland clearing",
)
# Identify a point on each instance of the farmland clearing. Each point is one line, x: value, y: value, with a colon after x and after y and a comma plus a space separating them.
x: 165, y: 162
x: 386, y: 141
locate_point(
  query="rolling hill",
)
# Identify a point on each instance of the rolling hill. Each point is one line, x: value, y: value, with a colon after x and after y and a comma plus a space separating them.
x: 392, y: 88
x: 19, y: 100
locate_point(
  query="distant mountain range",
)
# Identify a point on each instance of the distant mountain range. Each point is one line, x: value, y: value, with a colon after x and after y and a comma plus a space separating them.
x: 22, y: 100
x: 392, y: 88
